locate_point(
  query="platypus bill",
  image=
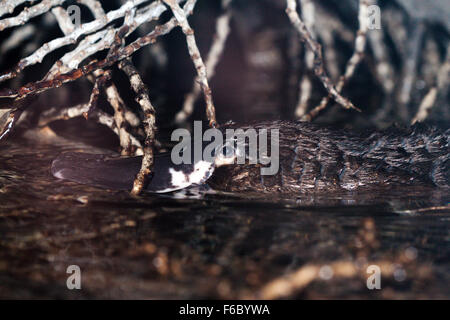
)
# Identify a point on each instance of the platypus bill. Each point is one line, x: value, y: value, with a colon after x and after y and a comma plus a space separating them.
x: 119, y: 173
x: 311, y: 159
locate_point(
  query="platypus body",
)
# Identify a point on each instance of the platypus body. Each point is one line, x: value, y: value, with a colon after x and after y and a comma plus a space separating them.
x: 312, y: 159
x: 320, y: 159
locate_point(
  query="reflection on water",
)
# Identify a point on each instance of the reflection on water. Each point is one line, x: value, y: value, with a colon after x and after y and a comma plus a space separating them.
x: 201, y: 244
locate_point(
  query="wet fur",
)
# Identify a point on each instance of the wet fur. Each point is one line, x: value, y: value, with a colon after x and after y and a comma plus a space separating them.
x: 320, y: 159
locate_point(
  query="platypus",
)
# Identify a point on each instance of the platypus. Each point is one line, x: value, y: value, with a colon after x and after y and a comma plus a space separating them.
x: 312, y: 159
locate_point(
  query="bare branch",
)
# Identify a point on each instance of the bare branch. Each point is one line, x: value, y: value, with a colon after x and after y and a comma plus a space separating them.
x: 88, y: 46
x: 409, y: 70
x: 81, y: 110
x: 330, y: 29
x: 29, y: 13
x: 355, y: 60
x: 149, y: 124
x: 87, y: 28
x: 122, y: 53
x: 95, y: 7
x: 430, y: 98
x: 196, y: 59
x: 64, y: 21
x: 384, y: 70
x: 318, y: 60
x: 8, y: 6
x: 214, y: 54
x: 305, y: 87
x: 22, y: 33
x: 425, y: 106
x: 305, y: 90
x: 118, y: 105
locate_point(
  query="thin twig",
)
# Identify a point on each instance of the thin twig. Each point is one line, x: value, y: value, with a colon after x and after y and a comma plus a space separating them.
x: 63, y: 19
x: 331, y: 29
x: 17, y: 38
x: 409, y: 70
x: 319, y: 70
x: 72, y: 38
x: 101, y: 40
x: 28, y: 13
x: 114, y: 99
x: 149, y: 124
x: 100, y: 81
x: 430, y: 98
x: 122, y: 53
x: 214, y: 54
x: 88, y: 46
x: 8, y: 6
x: 196, y: 57
x: 305, y: 86
x: 95, y: 7
x: 355, y: 60
x: 81, y: 110
x: 384, y: 69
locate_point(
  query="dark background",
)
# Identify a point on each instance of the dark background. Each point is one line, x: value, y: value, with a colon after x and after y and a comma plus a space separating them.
x: 244, y: 92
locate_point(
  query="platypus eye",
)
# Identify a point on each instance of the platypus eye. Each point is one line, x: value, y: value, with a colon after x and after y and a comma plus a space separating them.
x: 226, y: 153
x: 228, y: 149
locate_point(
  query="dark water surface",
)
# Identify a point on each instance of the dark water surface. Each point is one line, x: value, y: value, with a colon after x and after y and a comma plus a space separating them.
x: 200, y: 244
